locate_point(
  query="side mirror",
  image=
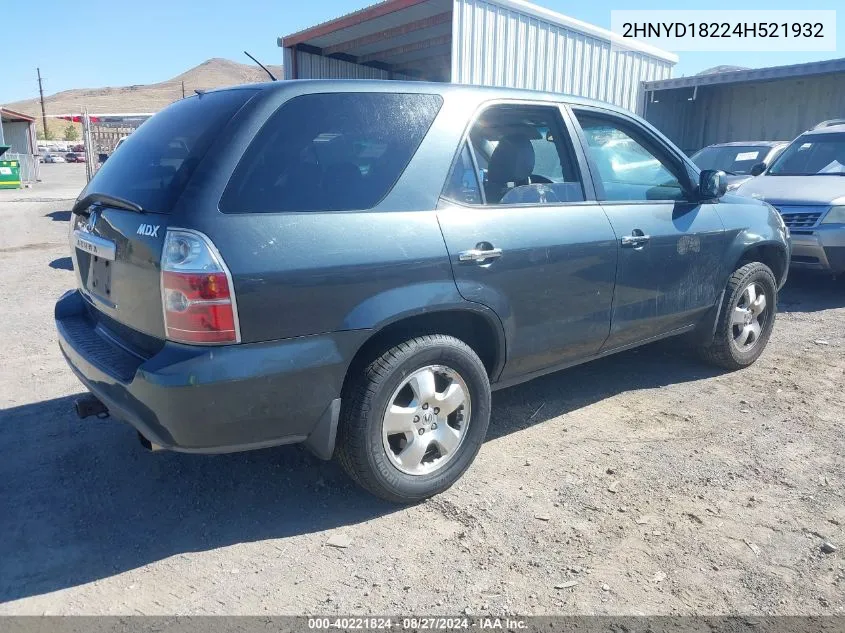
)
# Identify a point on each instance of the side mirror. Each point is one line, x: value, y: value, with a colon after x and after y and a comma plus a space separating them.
x: 713, y: 183
x: 758, y: 169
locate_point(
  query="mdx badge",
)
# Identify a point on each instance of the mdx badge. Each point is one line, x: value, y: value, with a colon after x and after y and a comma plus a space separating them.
x: 150, y: 230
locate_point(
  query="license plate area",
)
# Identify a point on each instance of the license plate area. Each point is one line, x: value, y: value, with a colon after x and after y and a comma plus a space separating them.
x: 99, y: 278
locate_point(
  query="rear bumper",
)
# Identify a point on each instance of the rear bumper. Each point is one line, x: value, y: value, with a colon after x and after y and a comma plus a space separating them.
x: 213, y: 399
x: 820, y: 249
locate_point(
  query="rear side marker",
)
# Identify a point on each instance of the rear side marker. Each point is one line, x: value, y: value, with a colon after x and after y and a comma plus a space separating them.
x: 197, y: 293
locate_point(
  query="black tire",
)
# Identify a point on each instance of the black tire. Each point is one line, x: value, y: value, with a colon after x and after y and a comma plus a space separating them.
x: 360, y: 450
x: 723, y: 351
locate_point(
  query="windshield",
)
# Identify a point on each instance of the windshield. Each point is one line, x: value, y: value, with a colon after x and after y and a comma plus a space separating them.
x: 812, y: 155
x: 735, y: 159
x: 153, y: 165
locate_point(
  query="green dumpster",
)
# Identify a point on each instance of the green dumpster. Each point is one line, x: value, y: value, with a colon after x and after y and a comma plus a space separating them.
x: 10, y: 171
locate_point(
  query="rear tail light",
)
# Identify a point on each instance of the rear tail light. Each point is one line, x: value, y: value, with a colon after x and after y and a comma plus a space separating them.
x: 196, y: 291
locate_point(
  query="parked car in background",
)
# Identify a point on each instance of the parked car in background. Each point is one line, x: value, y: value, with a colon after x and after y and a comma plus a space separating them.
x: 741, y: 160
x: 54, y: 158
x: 227, y: 301
x: 806, y: 183
x: 73, y: 157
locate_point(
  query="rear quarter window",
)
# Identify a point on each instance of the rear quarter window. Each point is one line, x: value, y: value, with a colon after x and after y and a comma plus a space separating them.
x: 330, y: 152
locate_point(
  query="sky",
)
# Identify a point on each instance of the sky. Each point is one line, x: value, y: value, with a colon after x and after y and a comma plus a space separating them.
x: 157, y: 39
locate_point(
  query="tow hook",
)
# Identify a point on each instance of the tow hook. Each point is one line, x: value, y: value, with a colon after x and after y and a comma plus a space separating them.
x: 89, y: 405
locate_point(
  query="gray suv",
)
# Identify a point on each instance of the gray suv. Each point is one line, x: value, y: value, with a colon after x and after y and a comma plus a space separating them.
x: 806, y: 183
x: 355, y: 265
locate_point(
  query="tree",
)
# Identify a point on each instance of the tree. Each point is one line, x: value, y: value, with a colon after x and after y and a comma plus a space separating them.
x: 70, y: 133
x: 41, y: 136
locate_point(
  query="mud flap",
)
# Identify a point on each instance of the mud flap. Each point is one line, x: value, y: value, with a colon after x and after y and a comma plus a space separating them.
x: 706, y: 331
x: 322, y: 438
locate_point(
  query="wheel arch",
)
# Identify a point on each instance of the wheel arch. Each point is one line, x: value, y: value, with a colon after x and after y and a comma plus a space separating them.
x: 772, y: 254
x: 473, y: 324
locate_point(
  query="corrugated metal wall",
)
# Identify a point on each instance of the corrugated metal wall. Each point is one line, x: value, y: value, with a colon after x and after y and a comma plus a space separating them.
x: 760, y: 111
x: 18, y: 134
x: 495, y: 45
x: 310, y: 66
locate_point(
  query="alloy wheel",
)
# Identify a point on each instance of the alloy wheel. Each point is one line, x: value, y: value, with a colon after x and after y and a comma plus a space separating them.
x: 426, y: 420
x: 749, y: 317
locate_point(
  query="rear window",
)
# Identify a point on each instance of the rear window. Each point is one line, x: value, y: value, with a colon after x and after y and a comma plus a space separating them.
x: 153, y: 166
x: 330, y: 152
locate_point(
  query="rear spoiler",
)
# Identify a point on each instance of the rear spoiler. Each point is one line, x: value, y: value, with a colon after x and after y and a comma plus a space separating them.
x: 107, y: 200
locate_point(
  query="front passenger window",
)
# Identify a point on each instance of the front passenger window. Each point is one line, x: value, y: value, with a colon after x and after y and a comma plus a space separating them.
x: 628, y: 170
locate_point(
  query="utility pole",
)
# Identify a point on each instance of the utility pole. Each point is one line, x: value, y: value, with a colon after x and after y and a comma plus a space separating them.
x: 43, y: 110
x: 183, y: 89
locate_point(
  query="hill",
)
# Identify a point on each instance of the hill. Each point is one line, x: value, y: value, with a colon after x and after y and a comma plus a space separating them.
x: 214, y: 73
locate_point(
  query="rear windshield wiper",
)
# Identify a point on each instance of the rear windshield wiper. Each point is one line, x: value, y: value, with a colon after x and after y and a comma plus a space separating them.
x: 107, y: 200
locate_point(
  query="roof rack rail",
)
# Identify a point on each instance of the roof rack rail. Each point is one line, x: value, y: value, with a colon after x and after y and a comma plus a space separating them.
x: 828, y: 123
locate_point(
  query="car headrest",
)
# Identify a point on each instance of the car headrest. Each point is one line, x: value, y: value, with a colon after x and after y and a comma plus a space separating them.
x: 512, y: 160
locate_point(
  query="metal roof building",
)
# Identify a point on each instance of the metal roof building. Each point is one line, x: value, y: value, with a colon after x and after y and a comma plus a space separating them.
x: 765, y: 104
x: 18, y: 131
x: 509, y: 43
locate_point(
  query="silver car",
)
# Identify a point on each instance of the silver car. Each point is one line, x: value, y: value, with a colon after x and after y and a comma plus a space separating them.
x: 806, y: 183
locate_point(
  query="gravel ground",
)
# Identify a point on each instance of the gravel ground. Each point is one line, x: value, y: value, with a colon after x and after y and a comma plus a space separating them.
x: 641, y: 484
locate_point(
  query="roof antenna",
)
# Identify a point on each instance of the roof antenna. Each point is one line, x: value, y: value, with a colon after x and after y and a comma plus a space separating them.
x: 262, y: 65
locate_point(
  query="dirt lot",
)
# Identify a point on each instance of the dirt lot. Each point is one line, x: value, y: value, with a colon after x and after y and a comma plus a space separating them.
x: 658, y: 485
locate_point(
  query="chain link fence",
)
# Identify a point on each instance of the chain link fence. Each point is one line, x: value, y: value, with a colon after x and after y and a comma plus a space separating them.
x: 101, y: 134
x: 29, y: 166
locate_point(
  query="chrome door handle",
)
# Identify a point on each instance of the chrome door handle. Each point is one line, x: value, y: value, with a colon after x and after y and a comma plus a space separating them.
x: 479, y: 255
x: 634, y: 241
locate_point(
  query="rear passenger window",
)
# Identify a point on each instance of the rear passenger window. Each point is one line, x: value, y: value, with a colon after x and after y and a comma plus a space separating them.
x: 330, y: 152
x: 525, y: 156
